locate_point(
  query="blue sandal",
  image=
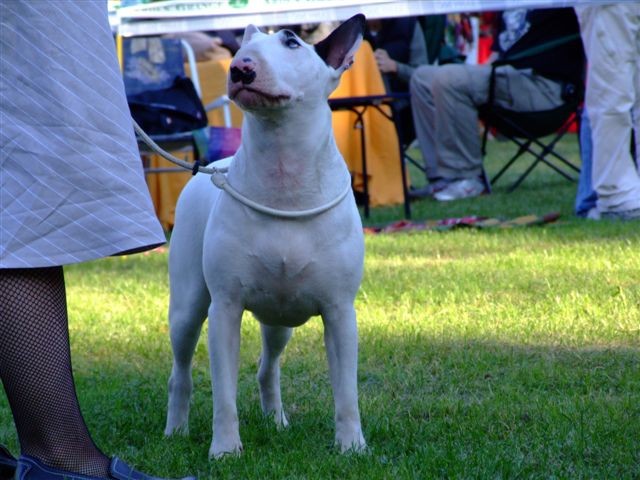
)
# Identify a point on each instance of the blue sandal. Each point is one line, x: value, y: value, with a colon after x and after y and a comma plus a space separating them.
x: 29, y: 468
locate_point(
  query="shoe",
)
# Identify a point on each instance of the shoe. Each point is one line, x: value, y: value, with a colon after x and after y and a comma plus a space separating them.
x: 8, y: 464
x: 429, y: 189
x: 625, y: 215
x: 30, y: 468
x: 593, y: 214
x: 465, y: 188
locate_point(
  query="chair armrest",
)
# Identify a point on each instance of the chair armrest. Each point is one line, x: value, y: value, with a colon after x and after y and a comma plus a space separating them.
x: 223, y: 102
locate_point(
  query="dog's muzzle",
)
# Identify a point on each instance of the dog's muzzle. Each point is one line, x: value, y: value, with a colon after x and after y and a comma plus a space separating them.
x: 245, y: 75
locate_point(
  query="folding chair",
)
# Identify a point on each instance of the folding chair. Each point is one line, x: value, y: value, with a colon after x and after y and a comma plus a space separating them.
x: 154, y: 64
x: 529, y: 130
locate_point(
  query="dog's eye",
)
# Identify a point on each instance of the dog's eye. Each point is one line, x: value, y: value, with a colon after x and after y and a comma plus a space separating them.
x: 292, y: 43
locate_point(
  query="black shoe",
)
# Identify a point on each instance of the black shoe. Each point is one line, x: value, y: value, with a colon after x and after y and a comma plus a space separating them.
x: 31, y: 469
x: 8, y: 464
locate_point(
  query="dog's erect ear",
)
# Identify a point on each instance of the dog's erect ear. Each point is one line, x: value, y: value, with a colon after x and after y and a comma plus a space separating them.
x: 248, y: 33
x: 338, y: 49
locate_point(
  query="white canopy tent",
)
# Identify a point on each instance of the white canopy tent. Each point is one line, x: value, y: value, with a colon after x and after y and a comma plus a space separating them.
x: 173, y: 16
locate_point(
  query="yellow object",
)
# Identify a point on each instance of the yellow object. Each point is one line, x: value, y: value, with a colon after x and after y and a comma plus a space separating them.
x: 383, y: 151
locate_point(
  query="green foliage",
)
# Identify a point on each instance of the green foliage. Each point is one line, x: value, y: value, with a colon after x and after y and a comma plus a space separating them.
x: 483, y: 354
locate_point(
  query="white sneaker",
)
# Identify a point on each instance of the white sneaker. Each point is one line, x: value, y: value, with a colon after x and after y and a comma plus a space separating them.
x: 466, y: 188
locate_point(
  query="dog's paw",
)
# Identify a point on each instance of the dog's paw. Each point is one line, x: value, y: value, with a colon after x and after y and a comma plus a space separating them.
x: 281, y: 419
x: 171, y: 429
x: 222, y: 448
x: 351, y: 443
x: 177, y: 422
x: 272, y: 408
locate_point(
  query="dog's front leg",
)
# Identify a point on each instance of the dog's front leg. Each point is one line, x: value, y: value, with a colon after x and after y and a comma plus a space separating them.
x: 224, y: 349
x: 341, y: 341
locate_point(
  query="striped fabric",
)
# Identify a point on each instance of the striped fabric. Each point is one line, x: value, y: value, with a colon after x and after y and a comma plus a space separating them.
x: 71, y: 182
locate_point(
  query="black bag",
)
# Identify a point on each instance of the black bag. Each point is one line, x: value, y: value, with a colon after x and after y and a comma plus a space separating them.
x: 175, y: 109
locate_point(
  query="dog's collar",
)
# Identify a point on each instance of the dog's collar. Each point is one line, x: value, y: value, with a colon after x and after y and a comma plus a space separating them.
x: 219, y: 179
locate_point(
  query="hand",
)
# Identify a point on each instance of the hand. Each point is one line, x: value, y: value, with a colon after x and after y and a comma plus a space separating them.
x: 385, y: 63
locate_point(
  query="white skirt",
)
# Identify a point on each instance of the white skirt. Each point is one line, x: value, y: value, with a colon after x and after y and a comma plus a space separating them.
x: 71, y: 182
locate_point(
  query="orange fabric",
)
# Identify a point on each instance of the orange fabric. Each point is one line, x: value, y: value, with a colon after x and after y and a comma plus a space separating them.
x: 383, y: 157
x: 381, y: 139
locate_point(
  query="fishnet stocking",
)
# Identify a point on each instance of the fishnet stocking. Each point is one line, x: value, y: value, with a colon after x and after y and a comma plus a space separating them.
x: 35, y: 368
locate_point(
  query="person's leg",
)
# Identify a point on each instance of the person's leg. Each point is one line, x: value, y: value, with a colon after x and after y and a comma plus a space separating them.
x: 636, y: 105
x: 586, y: 196
x: 457, y: 92
x: 610, y: 34
x: 445, y: 102
x: 35, y: 368
x: 423, y: 111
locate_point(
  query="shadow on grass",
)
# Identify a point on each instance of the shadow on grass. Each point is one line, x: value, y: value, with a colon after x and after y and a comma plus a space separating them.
x: 430, y: 409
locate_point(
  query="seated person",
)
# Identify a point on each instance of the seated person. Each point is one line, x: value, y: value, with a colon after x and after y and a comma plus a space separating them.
x: 445, y: 99
x: 398, y: 45
x: 399, y: 48
x: 210, y: 45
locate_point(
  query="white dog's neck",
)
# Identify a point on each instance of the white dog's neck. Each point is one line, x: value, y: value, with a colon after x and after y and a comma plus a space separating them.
x: 289, y: 158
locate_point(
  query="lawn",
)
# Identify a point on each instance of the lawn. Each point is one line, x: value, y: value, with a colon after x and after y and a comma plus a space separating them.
x: 496, y: 353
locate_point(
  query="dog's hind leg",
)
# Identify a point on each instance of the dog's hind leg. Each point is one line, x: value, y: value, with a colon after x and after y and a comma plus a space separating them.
x: 187, y: 311
x: 274, y: 339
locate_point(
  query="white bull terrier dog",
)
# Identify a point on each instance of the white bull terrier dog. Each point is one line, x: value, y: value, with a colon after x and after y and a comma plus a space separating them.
x: 297, y: 254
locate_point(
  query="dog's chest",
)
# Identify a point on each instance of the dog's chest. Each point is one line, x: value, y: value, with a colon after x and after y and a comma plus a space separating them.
x: 283, y: 283
x: 278, y: 272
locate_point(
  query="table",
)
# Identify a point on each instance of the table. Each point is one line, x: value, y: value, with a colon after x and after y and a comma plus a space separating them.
x: 359, y: 106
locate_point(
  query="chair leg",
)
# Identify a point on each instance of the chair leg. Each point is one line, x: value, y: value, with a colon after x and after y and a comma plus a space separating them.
x: 557, y: 169
x: 526, y: 173
x: 415, y: 163
x: 569, y: 164
x: 522, y: 147
x: 485, y: 180
x: 359, y: 124
x: 405, y: 189
x: 540, y: 158
x: 548, y: 149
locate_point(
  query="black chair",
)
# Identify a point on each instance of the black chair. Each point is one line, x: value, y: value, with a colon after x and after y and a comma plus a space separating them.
x: 155, y: 83
x: 535, y: 132
x: 159, y: 92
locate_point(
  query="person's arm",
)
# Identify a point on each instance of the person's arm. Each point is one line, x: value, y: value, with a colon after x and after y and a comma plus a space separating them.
x: 418, y: 56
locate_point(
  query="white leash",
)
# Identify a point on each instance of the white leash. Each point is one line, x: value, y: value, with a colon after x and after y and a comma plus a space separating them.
x: 181, y: 163
x: 219, y: 179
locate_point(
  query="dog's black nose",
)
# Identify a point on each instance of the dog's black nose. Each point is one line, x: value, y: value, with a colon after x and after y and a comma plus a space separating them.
x: 244, y: 75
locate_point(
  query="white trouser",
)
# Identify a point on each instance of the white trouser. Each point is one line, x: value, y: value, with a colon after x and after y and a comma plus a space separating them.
x: 611, y: 36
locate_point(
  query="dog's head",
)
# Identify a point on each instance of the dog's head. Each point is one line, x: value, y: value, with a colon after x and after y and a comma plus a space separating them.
x: 276, y: 71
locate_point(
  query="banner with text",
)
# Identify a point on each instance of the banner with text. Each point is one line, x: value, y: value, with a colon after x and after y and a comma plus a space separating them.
x: 171, y: 16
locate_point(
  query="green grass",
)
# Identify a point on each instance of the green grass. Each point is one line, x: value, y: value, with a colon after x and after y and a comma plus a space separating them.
x: 483, y: 354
